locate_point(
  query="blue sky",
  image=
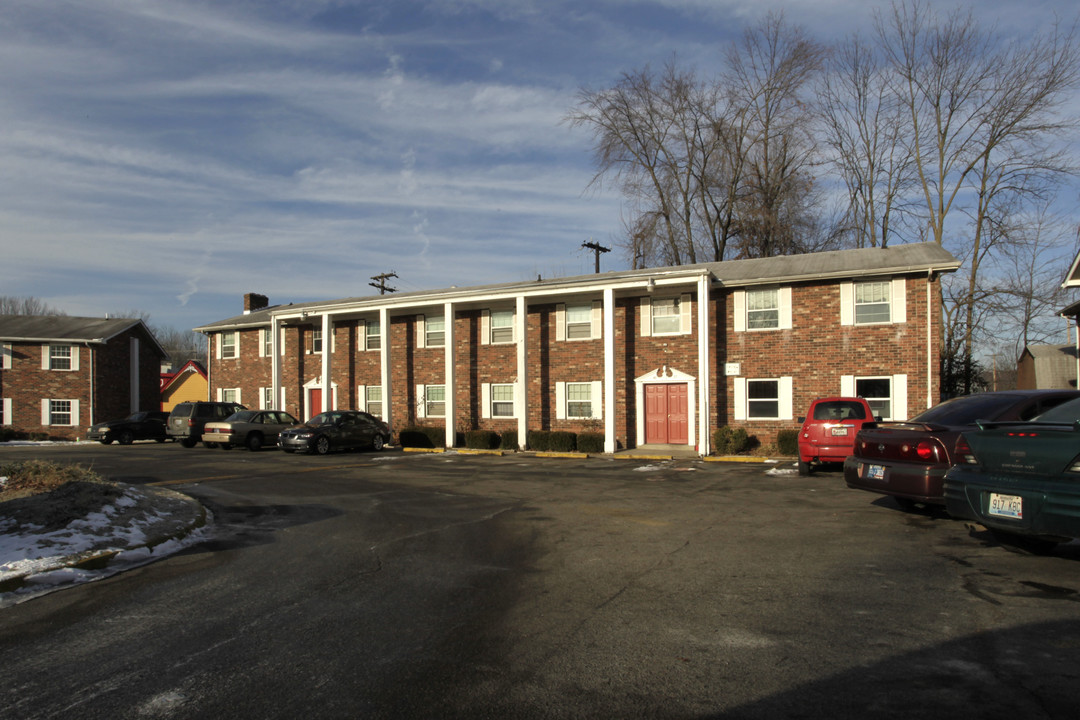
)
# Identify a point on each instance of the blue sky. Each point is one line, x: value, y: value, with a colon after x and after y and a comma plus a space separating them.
x: 168, y: 156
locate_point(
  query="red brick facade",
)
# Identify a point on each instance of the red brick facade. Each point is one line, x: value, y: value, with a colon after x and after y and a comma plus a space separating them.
x: 811, y: 347
x: 94, y: 386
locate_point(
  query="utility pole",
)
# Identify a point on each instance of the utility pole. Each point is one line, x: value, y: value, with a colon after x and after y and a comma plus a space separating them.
x: 380, y: 282
x: 597, y: 249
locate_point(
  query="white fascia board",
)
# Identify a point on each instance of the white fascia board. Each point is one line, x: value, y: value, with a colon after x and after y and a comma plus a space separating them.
x: 841, y: 275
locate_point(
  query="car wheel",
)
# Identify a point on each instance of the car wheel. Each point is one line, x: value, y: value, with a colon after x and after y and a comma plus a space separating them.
x: 322, y: 445
x: 105, y: 441
x: 188, y: 442
x: 254, y: 442
x: 804, y: 467
x: 126, y: 437
x: 377, y: 443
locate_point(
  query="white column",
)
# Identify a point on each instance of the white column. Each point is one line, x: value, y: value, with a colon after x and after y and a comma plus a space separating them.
x: 448, y: 372
x: 275, y: 363
x: 703, y: 384
x: 327, y: 388
x: 521, y: 387
x: 384, y: 365
x: 609, y: 370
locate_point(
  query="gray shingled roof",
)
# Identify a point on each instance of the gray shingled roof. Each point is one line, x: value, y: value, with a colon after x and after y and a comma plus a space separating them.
x: 909, y: 258
x: 46, y: 328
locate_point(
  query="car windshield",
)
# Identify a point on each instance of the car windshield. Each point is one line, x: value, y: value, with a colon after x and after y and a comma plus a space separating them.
x: 840, y: 410
x: 966, y: 410
x: 242, y: 416
x: 1068, y: 412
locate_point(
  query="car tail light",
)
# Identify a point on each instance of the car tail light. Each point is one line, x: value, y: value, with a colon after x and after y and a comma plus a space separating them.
x: 962, y: 452
x: 923, y: 450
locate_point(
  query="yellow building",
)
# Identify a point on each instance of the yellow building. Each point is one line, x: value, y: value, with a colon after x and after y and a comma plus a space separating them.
x: 186, y: 384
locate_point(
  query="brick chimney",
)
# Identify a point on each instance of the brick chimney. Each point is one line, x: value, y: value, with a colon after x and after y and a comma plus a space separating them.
x: 255, y: 301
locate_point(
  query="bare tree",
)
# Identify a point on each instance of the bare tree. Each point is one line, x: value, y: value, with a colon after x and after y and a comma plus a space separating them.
x: 11, y: 305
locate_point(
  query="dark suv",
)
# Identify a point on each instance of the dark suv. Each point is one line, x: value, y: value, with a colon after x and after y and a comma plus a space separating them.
x: 186, y: 421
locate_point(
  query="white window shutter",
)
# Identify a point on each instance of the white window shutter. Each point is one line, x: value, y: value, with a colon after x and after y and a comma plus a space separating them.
x: 485, y: 400
x: 847, y: 303
x: 45, y: 407
x: 847, y: 385
x: 646, y: 317
x: 899, y: 300
x: 485, y: 327
x: 7, y: 411
x: 597, y: 320
x: 238, y: 401
x: 560, y: 322
x: 738, y: 301
x: 786, y: 401
x: 597, y: 399
x: 899, y: 397
x: 784, y: 298
x: 560, y: 401
x: 421, y: 401
x: 686, y: 325
x: 5, y: 358
x: 740, y: 398
x: 75, y: 413
x: 421, y: 333
x: 44, y: 357
x: 282, y: 405
x: 282, y: 343
x: 361, y: 397
x: 219, y: 394
x: 262, y: 341
x: 75, y: 357
x: 361, y: 335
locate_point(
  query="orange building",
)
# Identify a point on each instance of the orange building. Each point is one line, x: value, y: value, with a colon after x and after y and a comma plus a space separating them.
x: 187, y: 383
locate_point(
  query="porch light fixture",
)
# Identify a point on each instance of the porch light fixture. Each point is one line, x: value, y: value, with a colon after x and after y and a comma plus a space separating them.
x: 650, y: 286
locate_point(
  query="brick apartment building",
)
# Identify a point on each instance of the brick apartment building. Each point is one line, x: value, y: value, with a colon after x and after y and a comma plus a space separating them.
x: 59, y: 374
x: 656, y: 356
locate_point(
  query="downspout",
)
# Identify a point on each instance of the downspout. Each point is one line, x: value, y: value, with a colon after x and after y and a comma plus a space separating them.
x: 209, y: 365
x: 90, y: 410
x: 929, y: 340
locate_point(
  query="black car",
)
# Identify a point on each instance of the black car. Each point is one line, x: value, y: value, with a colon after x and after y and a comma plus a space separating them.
x: 187, y: 420
x: 145, y: 425
x: 336, y: 430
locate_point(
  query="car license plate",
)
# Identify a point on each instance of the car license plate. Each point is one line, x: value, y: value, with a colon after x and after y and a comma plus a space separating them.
x: 839, y: 431
x: 875, y: 472
x: 1010, y: 506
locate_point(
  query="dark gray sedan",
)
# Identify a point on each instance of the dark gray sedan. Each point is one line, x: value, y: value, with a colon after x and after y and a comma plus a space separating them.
x: 336, y: 430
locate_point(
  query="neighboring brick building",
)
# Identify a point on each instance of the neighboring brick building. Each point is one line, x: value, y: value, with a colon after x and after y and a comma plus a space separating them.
x: 59, y: 375
x: 656, y: 356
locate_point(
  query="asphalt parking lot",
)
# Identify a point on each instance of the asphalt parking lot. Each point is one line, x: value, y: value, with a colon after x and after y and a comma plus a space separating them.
x: 408, y: 585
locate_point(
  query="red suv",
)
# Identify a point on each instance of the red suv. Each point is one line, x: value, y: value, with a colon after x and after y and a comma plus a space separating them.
x: 829, y: 429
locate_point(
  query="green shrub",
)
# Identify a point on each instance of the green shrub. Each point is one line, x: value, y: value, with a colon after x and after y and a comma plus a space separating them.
x: 538, y: 440
x: 481, y: 439
x: 509, y: 440
x: 728, y: 440
x: 8, y: 434
x: 590, y: 442
x: 562, y: 441
x: 787, y: 442
x: 422, y: 437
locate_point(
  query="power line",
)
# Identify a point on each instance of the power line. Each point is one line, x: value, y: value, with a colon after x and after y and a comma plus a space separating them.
x: 597, y: 249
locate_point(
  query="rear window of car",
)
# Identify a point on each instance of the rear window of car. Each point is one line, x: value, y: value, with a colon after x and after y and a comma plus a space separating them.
x: 1065, y: 413
x: 840, y: 410
x: 966, y: 410
x: 183, y: 410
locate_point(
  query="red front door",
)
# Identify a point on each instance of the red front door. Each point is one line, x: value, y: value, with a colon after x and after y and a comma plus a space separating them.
x: 667, y: 414
x: 315, y: 398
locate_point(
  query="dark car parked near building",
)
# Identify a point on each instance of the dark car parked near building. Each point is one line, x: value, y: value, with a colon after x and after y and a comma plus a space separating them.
x: 1021, y: 478
x: 336, y: 430
x: 908, y: 460
x: 145, y: 425
x: 187, y: 420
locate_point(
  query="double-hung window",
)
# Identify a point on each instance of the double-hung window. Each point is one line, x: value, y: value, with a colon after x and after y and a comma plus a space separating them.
x: 579, y: 400
x: 229, y: 346
x: 579, y: 322
x: 872, y: 302
x: 434, y: 331
x: 666, y: 316
x: 60, y: 412
x: 502, y: 400
x: 373, y: 400
x: 435, y: 400
x: 372, y: 336
x: 316, y: 340
x: 60, y: 359
x: 762, y: 399
x: 266, y: 337
x: 762, y: 309
x: 502, y: 326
